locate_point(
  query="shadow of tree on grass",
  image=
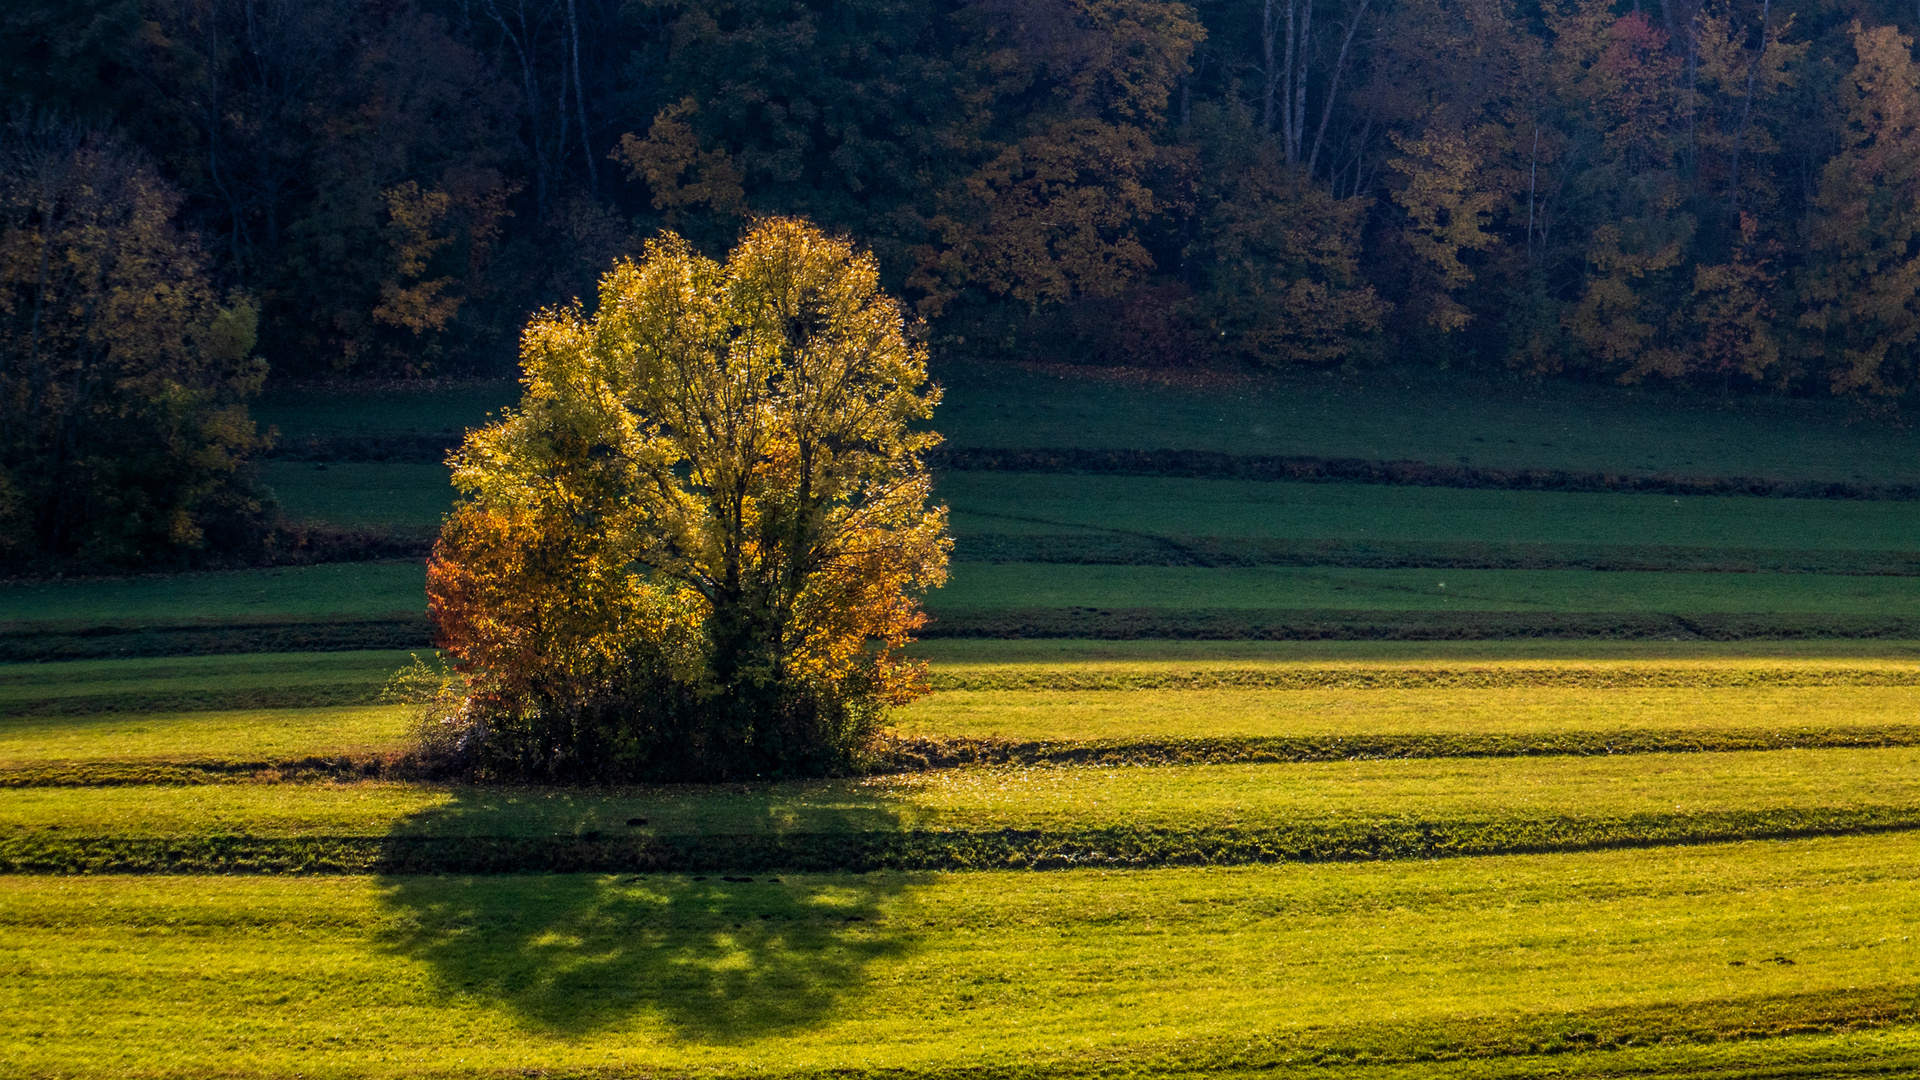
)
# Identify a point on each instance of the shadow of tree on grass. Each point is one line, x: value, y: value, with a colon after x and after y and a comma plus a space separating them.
x: 716, y: 960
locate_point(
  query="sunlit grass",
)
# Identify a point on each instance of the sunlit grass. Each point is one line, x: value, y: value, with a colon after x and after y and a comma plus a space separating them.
x: 1091, y: 715
x: 203, y: 674
x: 1169, y: 797
x: 1179, y: 969
x: 226, y: 735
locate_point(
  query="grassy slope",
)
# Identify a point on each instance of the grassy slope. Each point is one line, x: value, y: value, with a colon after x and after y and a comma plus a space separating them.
x: 983, y: 587
x: 378, y: 411
x: 362, y: 495
x: 338, y: 589
x: 366, y: 668
x: 382, y: 589
x: 224, y: 735
x: 1435, y: 417
x: 426, y: 976
x: 1334, y: 794
x: 1026, y: 503
x: 413, y: 497
x: 1429, y: 416
x: 1190, y: 714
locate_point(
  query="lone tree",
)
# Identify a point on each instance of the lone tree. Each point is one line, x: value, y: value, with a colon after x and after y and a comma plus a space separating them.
x: 695, y: 548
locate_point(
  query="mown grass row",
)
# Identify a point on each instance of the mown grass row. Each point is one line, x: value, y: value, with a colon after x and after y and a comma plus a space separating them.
x: 1116, y: 847
x: 1721, y: 958
x: 1323, y: 624
x: 1337, y: 794
x: 897, y: 755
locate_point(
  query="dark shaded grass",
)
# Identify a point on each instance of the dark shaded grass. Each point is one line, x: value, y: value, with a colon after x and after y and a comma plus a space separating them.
x: 1000, y: 849
x: 30, y: 642
x: 902, y: 755
x: 1214, y: 465
x: 1132, y: 549
x: 1283, y: 624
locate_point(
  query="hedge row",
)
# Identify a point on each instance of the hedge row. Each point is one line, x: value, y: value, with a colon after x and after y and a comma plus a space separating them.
x: 1209, y: 464
x: 1028, y: 849
x: 1139, y: 549
x: 1297, y: 624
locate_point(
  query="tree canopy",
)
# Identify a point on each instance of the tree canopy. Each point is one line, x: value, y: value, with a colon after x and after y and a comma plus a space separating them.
x: 1696, y: 191
x: 695, y: 548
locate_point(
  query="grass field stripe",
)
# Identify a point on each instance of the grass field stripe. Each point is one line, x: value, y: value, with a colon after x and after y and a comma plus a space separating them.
x: 1002, y: 849
x: 916, y: 754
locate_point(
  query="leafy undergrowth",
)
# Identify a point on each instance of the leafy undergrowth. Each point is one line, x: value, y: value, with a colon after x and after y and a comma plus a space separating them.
x: 1653, y: 962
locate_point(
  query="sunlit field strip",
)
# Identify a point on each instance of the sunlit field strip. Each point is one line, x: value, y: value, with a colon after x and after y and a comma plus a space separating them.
x: 429, y: 976
x: 79, y: 678
x: 223, y: 735
x: 1176, y: 797
x: 1092, y: 715
x: 1084, y: 716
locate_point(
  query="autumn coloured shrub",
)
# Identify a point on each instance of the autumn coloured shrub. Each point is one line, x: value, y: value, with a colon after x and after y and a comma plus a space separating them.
x: 696, y: 547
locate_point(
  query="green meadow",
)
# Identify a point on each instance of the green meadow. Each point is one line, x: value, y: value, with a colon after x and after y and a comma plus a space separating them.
x: 1513, y: 784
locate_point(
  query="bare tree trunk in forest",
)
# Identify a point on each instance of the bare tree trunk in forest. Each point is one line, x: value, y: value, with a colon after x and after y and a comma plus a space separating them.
x: 1746, y: 111
x: 1333, y: 85
x: 522, y: 51
x: 1297, y: 124
x: 1270, y: 75
x: 1533, y: 183
x: 580, y: 100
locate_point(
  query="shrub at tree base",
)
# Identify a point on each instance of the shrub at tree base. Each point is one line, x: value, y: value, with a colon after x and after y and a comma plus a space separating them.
x: 696, y: 547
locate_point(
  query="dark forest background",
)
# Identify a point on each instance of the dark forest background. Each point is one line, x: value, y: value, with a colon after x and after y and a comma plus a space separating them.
x: 200, y: 195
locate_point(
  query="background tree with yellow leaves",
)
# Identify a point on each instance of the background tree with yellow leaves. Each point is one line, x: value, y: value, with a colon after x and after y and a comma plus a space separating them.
x: 123, y: 373
x: 696, y: 547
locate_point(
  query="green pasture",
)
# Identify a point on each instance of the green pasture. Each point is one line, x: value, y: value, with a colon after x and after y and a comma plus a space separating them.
x: 1125, y: 715
x: 1421, y: 416
x: 977, y: 587
x: 1329, y: 794
x: 404, y: 497
x: 1390, y: 415
x: 368, y: 669
x: 1045, y: 503
x: 1056, y: 654
x: 382, y: 589
x: 1068, y: 691
x: 208, y: 735
x: 302, y: 412
x: 413, y: 497
x: 333, y: 589
x: 1642, y: 963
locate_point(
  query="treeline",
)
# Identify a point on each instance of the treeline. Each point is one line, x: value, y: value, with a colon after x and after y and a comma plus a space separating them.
x: 1715, y: 192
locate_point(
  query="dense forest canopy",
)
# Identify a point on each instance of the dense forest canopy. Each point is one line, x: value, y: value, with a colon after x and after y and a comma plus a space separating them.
x: 1721, y: 193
